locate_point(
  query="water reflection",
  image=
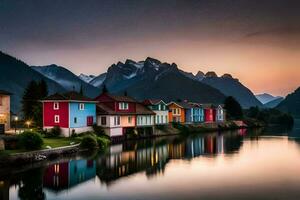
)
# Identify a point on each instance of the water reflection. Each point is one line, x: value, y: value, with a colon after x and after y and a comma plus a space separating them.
x: 150, y: 156
x: 162, y: 157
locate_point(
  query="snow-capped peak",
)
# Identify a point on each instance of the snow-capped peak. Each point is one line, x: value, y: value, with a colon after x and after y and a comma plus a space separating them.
x: 86, y: 78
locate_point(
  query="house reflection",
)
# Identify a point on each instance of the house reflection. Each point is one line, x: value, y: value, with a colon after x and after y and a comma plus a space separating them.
x: 65, y: 175
x: 124, y: 160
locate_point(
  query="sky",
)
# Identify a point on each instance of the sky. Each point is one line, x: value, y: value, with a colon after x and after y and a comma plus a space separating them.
x: 257, y: 41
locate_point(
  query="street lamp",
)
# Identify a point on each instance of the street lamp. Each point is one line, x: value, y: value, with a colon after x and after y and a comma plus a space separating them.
x: 16, y: 120
x: 28, y: 124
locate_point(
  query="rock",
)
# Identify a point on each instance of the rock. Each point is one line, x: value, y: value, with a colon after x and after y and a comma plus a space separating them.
x: 227, y: 76
x: 211, y: 74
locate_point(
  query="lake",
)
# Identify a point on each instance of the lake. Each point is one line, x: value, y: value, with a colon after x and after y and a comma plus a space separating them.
x: 243, y: 164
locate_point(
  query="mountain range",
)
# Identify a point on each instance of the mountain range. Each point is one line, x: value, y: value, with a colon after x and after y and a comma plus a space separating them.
x: 66, y: 79
x: 265, y: 97
x: 15, y: 76
x: 144, y: 79
x: 125, y: 76
x: 291, y: 104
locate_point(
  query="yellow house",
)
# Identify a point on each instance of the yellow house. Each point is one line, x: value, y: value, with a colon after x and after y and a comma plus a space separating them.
x: 4, y: 111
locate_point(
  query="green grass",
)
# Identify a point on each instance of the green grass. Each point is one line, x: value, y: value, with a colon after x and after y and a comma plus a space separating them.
x: 52, y: 142
x: 59, y: 142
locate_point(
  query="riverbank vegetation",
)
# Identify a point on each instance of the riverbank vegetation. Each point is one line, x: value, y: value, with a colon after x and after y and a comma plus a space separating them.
x: 35, y: 139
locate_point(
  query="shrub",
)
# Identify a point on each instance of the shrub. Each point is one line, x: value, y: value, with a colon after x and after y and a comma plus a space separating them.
x: 98, y: 130
x: 53, y: 132
x: 88, y: 142
x: 30, y: 140
x: 102, y: 142
x: 73, y: 134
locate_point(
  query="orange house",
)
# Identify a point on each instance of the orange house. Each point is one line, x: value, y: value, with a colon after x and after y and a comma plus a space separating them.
x: 176, y: 112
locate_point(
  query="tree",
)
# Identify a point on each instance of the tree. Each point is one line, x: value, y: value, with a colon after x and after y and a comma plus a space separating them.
x: 43, y: 89
x: 233, y: 108
x: 81, y: 90
x: 104, y: 89
x: 31, y: 105
x: 29, y: 99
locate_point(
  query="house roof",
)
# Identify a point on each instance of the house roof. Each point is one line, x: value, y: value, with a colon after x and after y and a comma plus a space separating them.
x: 121, y: 98
x: 152, y: 102
x: 103, y: 109
x: 68, y: 96
x: 3, y: 92
x: 143, y: 110
x: 184, y: 105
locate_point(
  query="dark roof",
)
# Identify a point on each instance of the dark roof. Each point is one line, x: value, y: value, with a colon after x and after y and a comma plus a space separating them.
x: 152, y: 101
x: 207, y: 105
x: 69, y: 96
x: 182, y: 104
x: 3, y: 92
x: 143, y: 110
x: 121, y: 98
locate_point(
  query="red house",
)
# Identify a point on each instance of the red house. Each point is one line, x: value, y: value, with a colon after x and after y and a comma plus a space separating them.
x: 120, y: 104
x: 56, y: 176
x: 209, y: 113
x: 70, y: 111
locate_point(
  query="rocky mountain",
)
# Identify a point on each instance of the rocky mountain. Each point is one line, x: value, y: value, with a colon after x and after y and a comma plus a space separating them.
x: 15, y: 76
x: 66, y: 79
x: 274, y: 103
x: 153, y: 79
x: 229, y: 86
x: 265, y: 98
x: 98, y: 80
x: 291, y: 104
x: 86, y: 78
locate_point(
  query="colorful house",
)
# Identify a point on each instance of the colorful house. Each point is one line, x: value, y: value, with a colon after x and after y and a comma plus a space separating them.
x: 176, y: 112
x: 209, y: 113
x: 144, y: 116
x: 71, y: 112
x: 194, y: 113
x: 160, y: 108
x: 220, y: 114
x: 119, y: 115
x: 116, y: 114
x: 4, y: 111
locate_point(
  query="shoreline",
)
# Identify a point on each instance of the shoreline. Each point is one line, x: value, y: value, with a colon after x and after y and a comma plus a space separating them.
x: 31, y: 157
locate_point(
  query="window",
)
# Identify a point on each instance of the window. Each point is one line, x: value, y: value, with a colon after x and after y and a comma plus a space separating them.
x: 103, y: 120
x: 162, y: 119
x: 56, y: 106
x: 129, y: 120
x: 117, y: 120
x: 176, y: 111
x: 166, y: 117
x: 90, y: 120
x: 164, y: 107
x: 75, y: 120
x: 157, y: 119
x: 159, y: 107
x: 81, y: 106
x: 56, y: 118
x: 123, y: 106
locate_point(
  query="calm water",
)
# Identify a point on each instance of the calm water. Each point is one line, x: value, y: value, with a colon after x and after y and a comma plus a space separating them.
x: 233, y: 165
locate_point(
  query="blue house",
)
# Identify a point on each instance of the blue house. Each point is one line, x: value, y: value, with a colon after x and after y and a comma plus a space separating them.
x: 196, y: 113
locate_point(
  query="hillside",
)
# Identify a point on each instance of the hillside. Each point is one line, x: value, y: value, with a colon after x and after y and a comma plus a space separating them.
x: 15, y: 76
x: 67, y: 79
x: 291, y: 104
